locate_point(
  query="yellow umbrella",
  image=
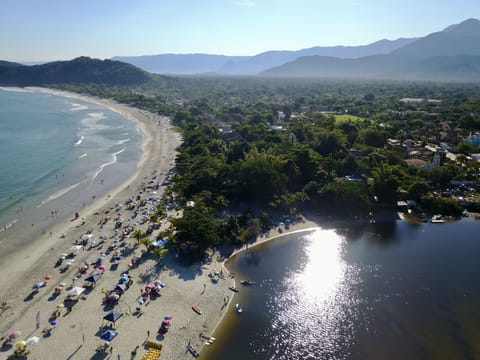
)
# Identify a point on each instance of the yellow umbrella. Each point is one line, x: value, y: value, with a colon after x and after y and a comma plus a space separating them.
x: 20, y: 344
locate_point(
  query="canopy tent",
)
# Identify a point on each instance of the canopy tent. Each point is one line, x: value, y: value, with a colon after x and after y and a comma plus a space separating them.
x: 93, y: 278
x: 113, y: 316
x: 76, y: 291
x: 159, y: 242
x: 108, y: 335
x: 119, y: 288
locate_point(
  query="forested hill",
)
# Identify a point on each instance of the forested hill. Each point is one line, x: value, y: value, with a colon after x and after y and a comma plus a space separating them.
x: 82, y: 70
x: 9, y: 63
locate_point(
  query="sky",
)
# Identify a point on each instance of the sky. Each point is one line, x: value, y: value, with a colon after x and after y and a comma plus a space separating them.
x: 46, y: 30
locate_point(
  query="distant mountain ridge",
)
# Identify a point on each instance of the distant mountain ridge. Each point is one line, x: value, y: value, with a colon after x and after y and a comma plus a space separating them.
x: 251, y: 65
x: 79, y: 70
x: 451, y: 54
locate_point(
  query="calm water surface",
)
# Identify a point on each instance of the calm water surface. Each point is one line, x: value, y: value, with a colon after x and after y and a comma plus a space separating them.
x: 376, y: 291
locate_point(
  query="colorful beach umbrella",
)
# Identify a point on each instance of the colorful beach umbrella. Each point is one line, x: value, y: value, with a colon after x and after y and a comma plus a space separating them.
x: 102, y: 267
x: 20, y: 344
x: 54, y: 322
x: 15, y: 334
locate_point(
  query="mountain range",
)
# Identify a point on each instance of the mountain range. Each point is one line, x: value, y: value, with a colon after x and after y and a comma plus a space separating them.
x: 450, y: 54
x: 251, y: 65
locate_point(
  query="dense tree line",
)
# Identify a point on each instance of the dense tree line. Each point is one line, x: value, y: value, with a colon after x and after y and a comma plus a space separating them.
x: 316, y: 161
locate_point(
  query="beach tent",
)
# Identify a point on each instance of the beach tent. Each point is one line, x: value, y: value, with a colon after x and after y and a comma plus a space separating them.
x: 108, y: 335
x: 93, y: 278
x: 119, y: 288
x: 76, y: 291
x: 33, y: 340
x: 75, y: 248
x: 38, y: 285
x: 113, y: 316
x: 86, y: 237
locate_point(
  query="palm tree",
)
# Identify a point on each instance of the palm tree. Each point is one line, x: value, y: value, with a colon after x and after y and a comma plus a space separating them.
x: 137, y: 234
x: 146, y: 242
x: 153, y: 218
x: 159, y: 252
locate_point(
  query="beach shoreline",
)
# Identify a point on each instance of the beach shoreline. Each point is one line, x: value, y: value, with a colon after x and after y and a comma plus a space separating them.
x: 77, y: 332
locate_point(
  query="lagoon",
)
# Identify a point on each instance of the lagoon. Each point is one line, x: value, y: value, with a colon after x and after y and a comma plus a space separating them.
x: 390, y: 290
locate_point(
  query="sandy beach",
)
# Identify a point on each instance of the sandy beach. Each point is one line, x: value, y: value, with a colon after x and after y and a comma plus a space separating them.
x: 74, y: 331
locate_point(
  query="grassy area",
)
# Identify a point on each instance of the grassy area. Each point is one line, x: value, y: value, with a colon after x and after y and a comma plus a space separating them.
x: 346, y: 117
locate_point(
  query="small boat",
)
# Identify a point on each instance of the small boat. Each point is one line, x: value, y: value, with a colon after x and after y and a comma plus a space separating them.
x: 197, y: 310
x: 210, y: 339
x: 238, y: 308
x: 234, y: 289
x: 247, y: 282
x: 437, y: 219
x: 192, y: 351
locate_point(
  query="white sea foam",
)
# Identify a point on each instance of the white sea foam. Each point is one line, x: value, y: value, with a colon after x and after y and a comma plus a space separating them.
x: 14, y: 89
x: 79, y: 141
x: 122, y: 141
x: 8, y: 226
x: 82, y: 156
x: 58, y: 194
x: 97, y: 115
x: 103, y: 166
x: 77, y: 107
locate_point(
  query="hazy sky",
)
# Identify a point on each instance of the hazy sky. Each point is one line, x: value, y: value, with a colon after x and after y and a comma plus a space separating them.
x: 63, y: 29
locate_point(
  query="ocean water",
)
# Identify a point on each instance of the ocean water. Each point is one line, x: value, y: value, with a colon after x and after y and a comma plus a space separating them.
x: 58, y: 154
x: 391, y: 290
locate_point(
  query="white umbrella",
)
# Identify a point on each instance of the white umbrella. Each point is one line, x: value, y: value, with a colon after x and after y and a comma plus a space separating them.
x: 76, y: 291
x: 86, y: 236
x: 76, y: 247
x: 33, y: 340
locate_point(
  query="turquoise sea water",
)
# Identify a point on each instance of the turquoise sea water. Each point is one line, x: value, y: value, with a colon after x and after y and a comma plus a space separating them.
x: 57, y: 152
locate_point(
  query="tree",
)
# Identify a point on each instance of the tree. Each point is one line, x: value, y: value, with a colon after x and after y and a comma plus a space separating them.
x: 198, y: 227
x: 137, y: 234
x: 372, y: 137
x: 346, y: 198
x: 417, y: 190
x: 146, y: 241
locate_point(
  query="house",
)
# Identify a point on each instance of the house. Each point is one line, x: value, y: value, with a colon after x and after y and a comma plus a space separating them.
x: 473, y: 139
x: 225, y: 129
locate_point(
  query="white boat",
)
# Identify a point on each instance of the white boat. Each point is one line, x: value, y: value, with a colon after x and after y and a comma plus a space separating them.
x: 437, y: 219
x: 238, y: 308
